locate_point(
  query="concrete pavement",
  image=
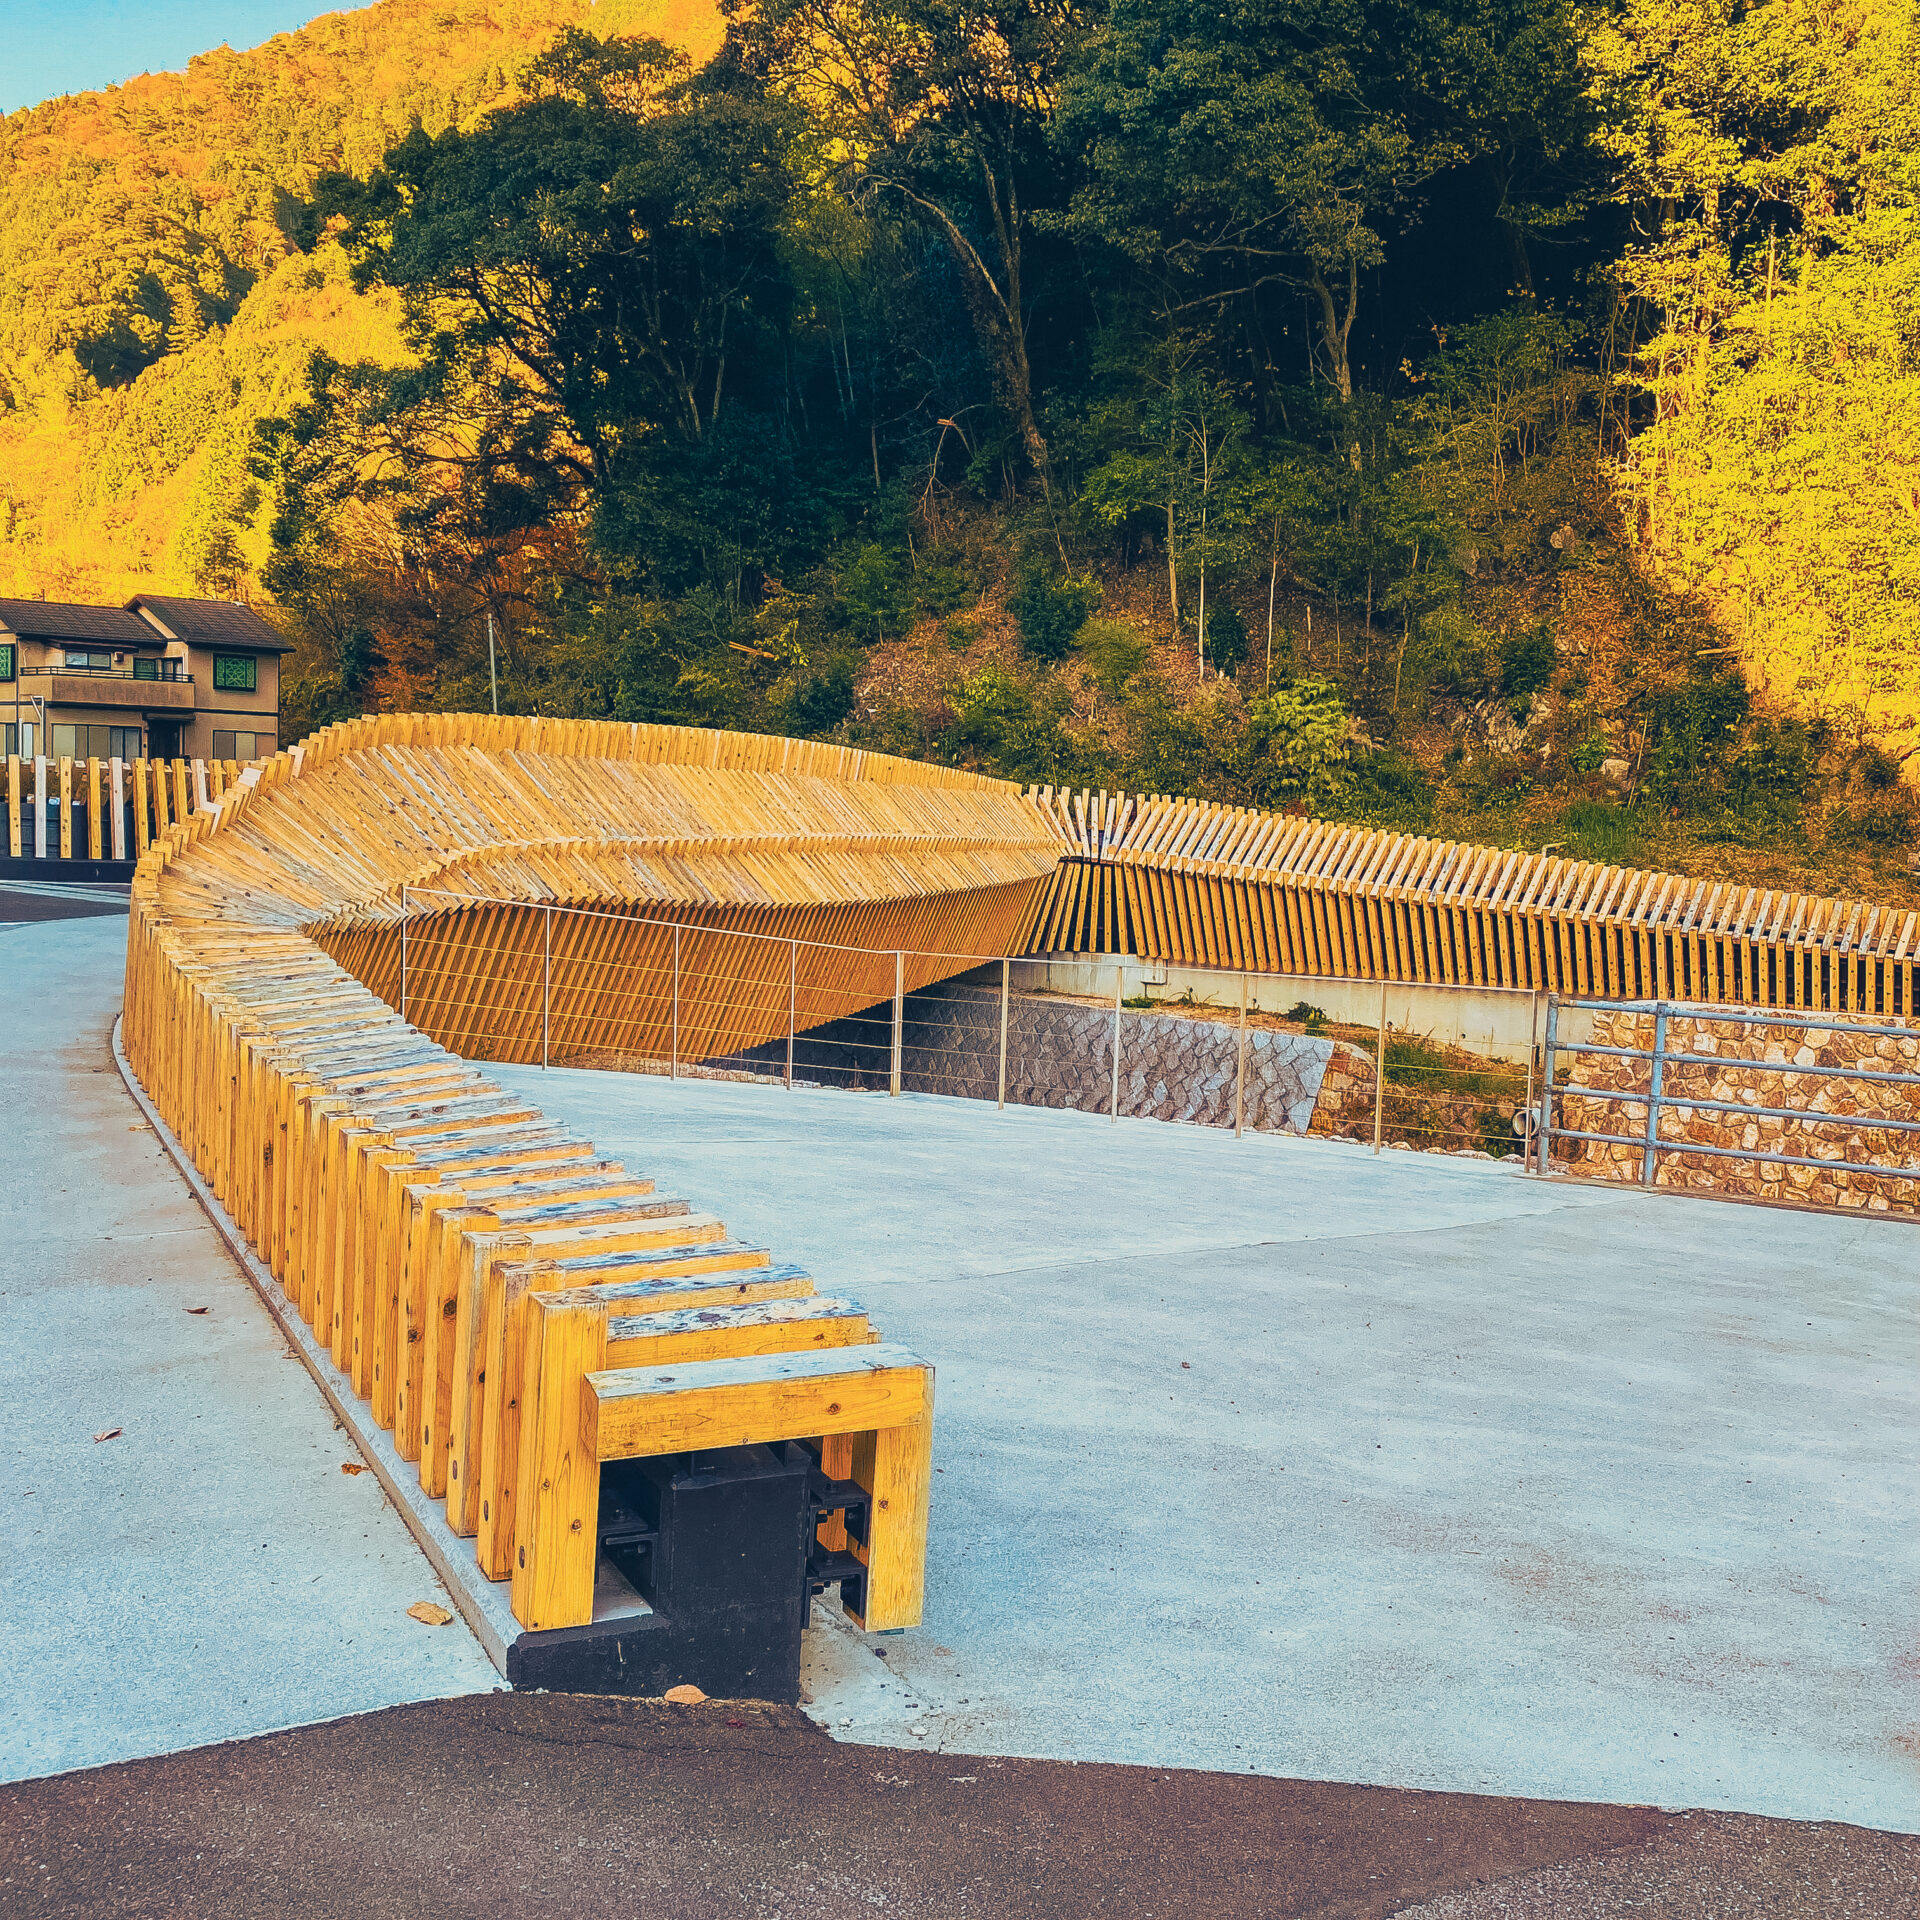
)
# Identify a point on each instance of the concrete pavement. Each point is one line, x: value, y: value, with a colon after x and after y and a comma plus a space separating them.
x: 1268, y: 1455
x: 1261, y: 1457
x: 209, y: 1571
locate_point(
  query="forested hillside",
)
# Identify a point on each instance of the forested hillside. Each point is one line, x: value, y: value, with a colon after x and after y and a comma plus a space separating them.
x: 1494, y: 417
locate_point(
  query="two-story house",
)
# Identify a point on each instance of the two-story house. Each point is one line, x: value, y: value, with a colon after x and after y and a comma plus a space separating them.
x: 160, y: 678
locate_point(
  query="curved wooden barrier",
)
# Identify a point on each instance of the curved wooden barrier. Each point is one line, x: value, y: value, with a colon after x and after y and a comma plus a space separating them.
x: 1196, y: 884
x: 514, y: 1308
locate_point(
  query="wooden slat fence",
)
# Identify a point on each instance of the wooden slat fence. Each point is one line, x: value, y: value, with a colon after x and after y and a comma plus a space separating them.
x: 1195, y: 884
x: 494, y: 1291
x: 105, y: 809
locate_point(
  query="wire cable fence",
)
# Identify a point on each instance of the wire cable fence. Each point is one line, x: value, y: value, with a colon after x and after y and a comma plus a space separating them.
x: 555, y: 985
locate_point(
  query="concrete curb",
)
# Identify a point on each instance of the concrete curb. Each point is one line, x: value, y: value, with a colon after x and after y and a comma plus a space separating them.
x: 482, y: 1605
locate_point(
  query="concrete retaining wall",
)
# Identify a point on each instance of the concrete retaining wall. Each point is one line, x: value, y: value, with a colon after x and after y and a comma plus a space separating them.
x: 1498, y: 1023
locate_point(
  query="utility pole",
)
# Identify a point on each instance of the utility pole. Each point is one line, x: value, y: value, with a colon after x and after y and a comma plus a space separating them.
x: 493, y: 671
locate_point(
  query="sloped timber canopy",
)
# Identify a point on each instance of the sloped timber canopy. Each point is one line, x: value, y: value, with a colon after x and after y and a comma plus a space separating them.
x: 1202, y: 885
x: 669, y: 837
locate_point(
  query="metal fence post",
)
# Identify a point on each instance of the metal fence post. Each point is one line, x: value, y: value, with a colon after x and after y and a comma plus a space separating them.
x: 673, y: 1066
x: 1544, y: 1126
x: 546, y: 983
x: 1533, y: 1054
x: 403, y: 953
x: 793, y: 994
x: 1006, y: 969
x: 1654, y: 1082
x: 1240, y: 1065
x: 899, y: 1016
x: 1380, y: 1071
x: 1119, y: 992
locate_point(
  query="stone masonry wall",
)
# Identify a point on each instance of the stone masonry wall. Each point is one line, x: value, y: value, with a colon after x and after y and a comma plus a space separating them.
x: 1747, y: 1070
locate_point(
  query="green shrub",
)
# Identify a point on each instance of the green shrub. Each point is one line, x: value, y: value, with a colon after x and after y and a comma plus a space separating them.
x: 1049, y: 612
x: 1226, y: 639
x: 870, y: 589
x: 1526, y: 666
x: 940, y: 589
x: 820, y: 701
x: 1300, y: 742
x: 1114, y: 652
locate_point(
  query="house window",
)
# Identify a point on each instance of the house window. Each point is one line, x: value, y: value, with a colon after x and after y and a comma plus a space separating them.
x: 240, y: 745
x: 235, y: 673
x: 86, y: 660
x: 20, y: 739
x: 8, y: 669
x: 145, y: 667
x: 95, y: 743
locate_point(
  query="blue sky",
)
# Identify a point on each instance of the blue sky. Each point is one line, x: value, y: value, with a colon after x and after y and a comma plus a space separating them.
x: 66, y: 46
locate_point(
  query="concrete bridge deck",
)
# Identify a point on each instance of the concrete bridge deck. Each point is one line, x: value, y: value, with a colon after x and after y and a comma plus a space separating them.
x: 1253, y: 1457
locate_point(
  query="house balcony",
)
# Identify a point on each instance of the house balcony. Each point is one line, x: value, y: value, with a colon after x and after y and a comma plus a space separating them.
x: 108, y: 687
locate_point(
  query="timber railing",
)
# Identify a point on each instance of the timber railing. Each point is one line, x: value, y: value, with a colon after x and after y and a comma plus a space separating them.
x: 1190, y: 882
x: 514, y: 1309
x: 68, y: 809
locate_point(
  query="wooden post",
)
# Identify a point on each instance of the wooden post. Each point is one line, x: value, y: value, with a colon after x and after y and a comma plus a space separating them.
x: 546, y: 983
x: 1006, y: 968
x: 66, y: 806
x: 1380, y: 1071
x: 793, y: 989
x: 1240, y: 1066
x: 39, y: 806
x: 557, y: 1502
x: 895, y: 1465
x: 13, y: 805
x: 1655, y: 1077
x: 403, y: 952
x: 673, y: 1069
x: 899, y: 1016
x: 94, y: 845
x: 117, y: 774
x: 1119, y: 992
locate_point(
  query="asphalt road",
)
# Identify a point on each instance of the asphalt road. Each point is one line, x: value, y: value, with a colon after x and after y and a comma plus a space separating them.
x: 25, y: 901
x: 547, y: 1805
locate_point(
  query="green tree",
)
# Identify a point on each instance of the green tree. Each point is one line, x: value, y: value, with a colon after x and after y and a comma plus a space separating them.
x: 1228, y: 148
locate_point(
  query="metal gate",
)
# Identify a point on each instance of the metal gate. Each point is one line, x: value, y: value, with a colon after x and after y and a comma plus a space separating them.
x: 1653, y: 1089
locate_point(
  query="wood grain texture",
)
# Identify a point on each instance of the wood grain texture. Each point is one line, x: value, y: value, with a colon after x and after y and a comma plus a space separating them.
x: 461, y: 1256
x: 1195, y: 884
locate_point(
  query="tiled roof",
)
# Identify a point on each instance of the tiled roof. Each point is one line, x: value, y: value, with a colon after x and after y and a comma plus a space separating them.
x: 61, y: 620
x: 213, y: 623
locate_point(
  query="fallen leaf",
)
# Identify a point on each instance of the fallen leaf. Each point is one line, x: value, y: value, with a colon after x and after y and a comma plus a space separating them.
x: 428, y: 1614
x: 685, y: 1696
x: 112, y: 1433
x: 351, y: 1466
x: 199, y: 1309
x: 736, y: 1723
